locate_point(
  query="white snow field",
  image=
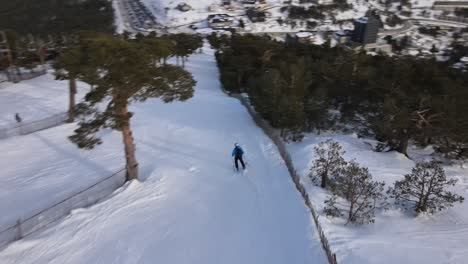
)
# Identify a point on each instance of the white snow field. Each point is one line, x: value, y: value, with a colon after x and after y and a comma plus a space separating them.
x: 43, y: 168
x: 35, y: 99
x: 396, y: 236
x: 190, y: 207
x: 165, y: 12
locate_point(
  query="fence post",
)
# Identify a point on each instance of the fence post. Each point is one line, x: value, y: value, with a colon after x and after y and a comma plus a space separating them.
x: 19, y: 233
x: 34, y: 126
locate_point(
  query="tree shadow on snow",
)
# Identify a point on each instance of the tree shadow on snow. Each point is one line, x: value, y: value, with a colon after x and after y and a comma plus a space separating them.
x: 94, y: 166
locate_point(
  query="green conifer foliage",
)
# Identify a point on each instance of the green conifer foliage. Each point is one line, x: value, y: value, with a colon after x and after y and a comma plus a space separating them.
x: 121, y: 72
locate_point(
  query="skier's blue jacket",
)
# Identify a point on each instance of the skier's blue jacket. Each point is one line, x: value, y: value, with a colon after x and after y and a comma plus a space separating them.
x: 237, y: 152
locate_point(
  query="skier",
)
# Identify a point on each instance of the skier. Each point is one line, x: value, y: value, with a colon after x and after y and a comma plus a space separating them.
x: 18, y: 118
x: 237, y: 153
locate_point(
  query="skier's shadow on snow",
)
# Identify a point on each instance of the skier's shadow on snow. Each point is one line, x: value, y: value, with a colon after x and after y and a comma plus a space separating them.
x: 101, y: 170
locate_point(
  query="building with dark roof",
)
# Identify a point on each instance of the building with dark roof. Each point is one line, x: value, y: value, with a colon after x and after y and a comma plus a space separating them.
x: 366, y: 30
x: 220, y: 21
x: 256, y: 15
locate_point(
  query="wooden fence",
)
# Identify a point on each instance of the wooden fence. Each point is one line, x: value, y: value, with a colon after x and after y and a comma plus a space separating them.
x: 24, y: 128
x: 17, y: 75
x: 83, y: 198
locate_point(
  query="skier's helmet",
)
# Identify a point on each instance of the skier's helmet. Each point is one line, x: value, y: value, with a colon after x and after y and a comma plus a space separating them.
x: 236, y: 144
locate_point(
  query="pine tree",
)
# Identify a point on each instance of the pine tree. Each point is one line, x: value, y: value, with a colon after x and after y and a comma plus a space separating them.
x: 159, y: 48
x: 328, y: 164
x: 122, y: 73
x: 316, y: 109
x: 362, y: 195
x: 291, y: 118
x: 424, y: 189
x: 69, y: 66
x: 398, y: 100
x: 451, y: 131
x: 185, y: 44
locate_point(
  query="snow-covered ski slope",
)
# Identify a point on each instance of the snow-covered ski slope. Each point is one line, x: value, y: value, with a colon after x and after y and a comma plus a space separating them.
x: 396, y: 236
x: 35, y: 99
x: 190, y: 207
x: 41, y: 169
x: 44, y: 168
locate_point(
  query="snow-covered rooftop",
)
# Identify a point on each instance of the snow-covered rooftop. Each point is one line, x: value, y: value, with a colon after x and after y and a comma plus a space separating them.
x: 362, y: 19
x: 304, y: 34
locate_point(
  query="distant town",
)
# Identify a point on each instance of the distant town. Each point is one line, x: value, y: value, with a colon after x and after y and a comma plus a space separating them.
x: 394, y: 27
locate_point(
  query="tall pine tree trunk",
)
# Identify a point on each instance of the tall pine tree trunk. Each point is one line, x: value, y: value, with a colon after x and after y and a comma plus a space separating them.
x: 18, y: 75
x: 132, y: 164
x: 403, y: 144
x: 239, y: 81
x: 351, y: 211
x: 71, y: 104
x: 323, y: 184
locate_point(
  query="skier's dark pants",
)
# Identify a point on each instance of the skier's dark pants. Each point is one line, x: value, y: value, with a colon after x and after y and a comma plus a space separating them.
x: 239, y: 158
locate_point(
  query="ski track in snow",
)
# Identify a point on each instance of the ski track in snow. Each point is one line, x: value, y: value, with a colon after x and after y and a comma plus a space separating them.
x: 190, y: 206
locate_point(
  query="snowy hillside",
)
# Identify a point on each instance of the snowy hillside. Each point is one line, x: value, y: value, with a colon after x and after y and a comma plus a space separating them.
x: 196, y: 4
x: 396, y: 236
x: 35, y: 99
x: 43, y: 168
x: 171, y: 16
x: 167, y: 14
x: 191, y: 206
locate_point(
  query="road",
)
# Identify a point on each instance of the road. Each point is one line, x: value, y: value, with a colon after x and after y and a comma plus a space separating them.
x: 136, y: 17
x: 438, y: 22
x: 407, y: 26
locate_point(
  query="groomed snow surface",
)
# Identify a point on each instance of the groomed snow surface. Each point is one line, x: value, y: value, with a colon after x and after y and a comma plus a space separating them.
x: 35, y: 99
x: 190, y: 207
x: 396, y: 236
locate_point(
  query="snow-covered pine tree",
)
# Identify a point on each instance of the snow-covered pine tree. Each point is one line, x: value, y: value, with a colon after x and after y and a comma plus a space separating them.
x: 329, y: 163
x: 355, y: 195
x: 424, y: 189
x: 123, y: 71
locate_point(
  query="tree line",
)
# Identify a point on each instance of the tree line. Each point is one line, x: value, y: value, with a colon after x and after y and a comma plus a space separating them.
x: 318, y: 12
x: 51, y: 16
x: 28, y: 51
x: 303, y: 88
x: 34, y: 31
